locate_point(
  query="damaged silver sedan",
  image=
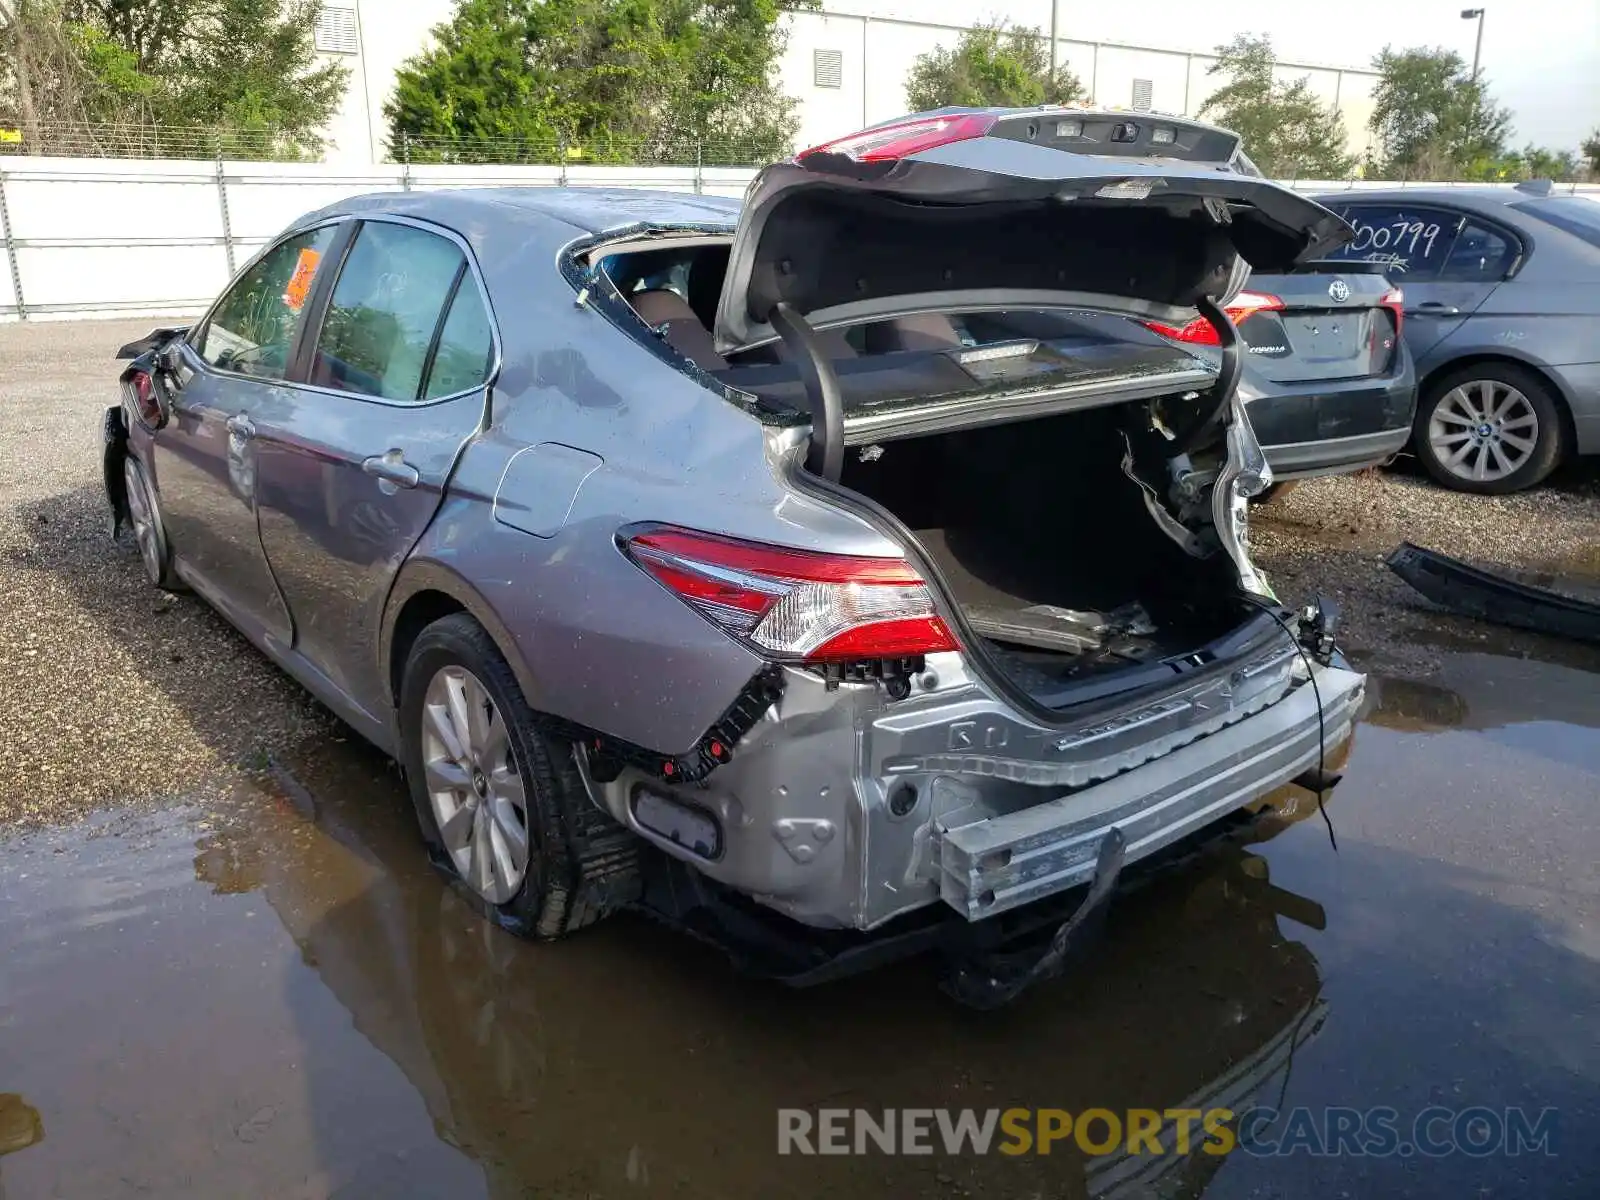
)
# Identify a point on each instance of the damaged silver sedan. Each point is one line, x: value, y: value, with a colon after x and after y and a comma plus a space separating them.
x: 835, y: 575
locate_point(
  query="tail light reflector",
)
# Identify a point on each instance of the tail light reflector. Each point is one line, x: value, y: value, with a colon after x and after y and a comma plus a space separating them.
x: 797, y: 605
x: 1395, y: 301
x: 906, y: 137
x: 1199, y: 332
x: 141, y: 390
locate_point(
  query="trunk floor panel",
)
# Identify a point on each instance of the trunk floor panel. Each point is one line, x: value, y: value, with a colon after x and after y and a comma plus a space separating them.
x: 1039, y: 515
x: 986, y: 580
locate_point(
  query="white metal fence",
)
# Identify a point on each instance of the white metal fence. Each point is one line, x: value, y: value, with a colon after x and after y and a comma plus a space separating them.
x: 88, y: 237
x: 94, y: 237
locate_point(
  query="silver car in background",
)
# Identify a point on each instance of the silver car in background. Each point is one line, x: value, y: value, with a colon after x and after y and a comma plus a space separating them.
x: 801, y: 570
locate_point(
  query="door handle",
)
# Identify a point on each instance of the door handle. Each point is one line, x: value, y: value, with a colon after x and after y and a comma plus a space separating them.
x: 241, y: 426
x: 391, y: 468
x: 1436, y: 308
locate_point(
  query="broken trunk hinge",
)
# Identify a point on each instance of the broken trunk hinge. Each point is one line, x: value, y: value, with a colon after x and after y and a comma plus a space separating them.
x: 826, y: 456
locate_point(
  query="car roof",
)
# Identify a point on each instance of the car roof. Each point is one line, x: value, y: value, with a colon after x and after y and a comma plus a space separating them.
x: 1468, y: 196
x: 592, y: 210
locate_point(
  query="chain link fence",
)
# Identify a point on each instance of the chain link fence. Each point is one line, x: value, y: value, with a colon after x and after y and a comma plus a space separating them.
x: 133, y: 140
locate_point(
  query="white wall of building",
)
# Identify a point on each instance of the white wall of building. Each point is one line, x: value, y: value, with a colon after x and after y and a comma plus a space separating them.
x: 881, y: 39
x: 1107, y: 46
x: 389, y: 32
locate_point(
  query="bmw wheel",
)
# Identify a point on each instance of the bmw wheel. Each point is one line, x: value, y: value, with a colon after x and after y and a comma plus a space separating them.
x: 502, y: 807
x: 1491, y: 428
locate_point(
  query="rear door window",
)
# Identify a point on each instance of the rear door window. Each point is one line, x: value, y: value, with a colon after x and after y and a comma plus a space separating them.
x: 1479, y: 255
x: 1414, y: 242
x: 461, y: 358
x: 252, y: 330
x: 386, y: 306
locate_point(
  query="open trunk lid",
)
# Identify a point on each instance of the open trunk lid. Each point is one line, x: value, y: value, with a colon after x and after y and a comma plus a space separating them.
x: 967, y: 210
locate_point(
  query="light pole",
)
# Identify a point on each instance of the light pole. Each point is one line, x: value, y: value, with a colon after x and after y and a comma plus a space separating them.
x: 1469, y: 14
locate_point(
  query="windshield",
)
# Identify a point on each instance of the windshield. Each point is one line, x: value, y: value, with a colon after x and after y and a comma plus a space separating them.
x: 1570, y: 214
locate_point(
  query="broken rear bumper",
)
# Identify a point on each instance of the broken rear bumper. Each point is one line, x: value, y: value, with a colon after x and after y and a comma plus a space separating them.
x: 993, y: 865
x: 845, y: 810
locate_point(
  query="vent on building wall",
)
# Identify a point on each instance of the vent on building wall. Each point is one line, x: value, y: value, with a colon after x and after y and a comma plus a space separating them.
x: 335, y: 30
x: 1142, y: 91
x: 827, y: 68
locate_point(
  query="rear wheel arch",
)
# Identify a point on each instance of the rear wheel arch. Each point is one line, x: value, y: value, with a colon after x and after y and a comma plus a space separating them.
x: 427, y: 592
x: 1451, y: 366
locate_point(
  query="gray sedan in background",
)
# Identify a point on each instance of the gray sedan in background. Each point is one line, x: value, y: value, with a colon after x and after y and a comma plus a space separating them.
x: 1502, y: 315
x: 799, y: 567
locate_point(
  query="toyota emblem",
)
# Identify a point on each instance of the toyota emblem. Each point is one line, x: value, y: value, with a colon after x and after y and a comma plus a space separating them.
x: 1339, y: 291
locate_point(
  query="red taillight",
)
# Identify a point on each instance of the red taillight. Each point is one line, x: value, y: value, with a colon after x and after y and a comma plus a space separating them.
x: 1395, y: 301
x: 906, y: 137
x: 798, y: 604
x: 142, y: 390
x: 1199, y: 331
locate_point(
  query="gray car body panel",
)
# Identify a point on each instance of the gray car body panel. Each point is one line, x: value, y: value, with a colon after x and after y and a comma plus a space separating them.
x: 1545, y: 314
x: 613, y: 429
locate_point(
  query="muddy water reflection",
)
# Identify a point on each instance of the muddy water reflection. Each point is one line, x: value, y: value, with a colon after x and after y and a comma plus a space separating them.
x: 629, y: 1057
x: 279, y: 997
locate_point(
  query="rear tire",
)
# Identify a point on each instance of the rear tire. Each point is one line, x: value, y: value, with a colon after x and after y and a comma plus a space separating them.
x: 1491, y: 428
x: 502, y: 807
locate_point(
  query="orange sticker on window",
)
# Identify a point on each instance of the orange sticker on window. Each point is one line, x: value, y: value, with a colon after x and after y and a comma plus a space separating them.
x: 305, y: 270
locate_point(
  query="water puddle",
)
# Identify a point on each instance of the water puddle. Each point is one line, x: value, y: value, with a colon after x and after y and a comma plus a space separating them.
x: 274, y: 995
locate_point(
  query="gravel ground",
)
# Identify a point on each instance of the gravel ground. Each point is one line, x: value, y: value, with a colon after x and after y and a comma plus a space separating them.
x: 1331, y: 536
x: 119, y: 695
x: 124, y: 697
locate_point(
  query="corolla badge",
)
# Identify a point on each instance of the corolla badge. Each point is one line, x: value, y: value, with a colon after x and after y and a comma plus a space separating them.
x: 1339, y: 291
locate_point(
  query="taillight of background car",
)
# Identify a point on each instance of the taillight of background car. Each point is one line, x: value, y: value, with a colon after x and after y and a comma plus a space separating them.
x: 1395, y: 301
x: 1241, y: 308
x: 797, y: 605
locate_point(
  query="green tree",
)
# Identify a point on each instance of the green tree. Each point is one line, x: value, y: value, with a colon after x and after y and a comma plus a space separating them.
x: 250, y: 66
x: 1432, y: 119
x: 993, y: 65
x: 110, y: 76
x: 1591, y: 151
x: 603, y: 80
x: 1541, y: 162
x: 1286, y: 130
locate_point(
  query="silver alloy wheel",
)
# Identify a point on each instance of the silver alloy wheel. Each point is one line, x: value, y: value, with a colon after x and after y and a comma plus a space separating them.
x: 480, y: 803
x: 1483, y: 430
x: 146, y: 531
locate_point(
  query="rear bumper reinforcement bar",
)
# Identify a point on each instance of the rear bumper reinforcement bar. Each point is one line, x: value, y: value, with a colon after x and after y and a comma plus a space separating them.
x: 1003, y: 862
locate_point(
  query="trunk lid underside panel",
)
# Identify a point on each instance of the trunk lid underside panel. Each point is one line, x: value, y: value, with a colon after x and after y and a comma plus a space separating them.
x: 984, y: 223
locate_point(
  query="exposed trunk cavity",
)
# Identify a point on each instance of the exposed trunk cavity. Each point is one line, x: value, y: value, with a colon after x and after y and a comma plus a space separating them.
x: 1057, y: 545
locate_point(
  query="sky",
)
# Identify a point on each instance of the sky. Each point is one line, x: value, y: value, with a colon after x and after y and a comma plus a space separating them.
x: 1541, y: 57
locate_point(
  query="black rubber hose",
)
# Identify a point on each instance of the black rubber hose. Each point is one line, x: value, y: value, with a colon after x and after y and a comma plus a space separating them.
x: 826, y: 458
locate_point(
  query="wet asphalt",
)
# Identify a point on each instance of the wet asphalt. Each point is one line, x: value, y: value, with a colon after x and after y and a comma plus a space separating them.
x: 227, y: 970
